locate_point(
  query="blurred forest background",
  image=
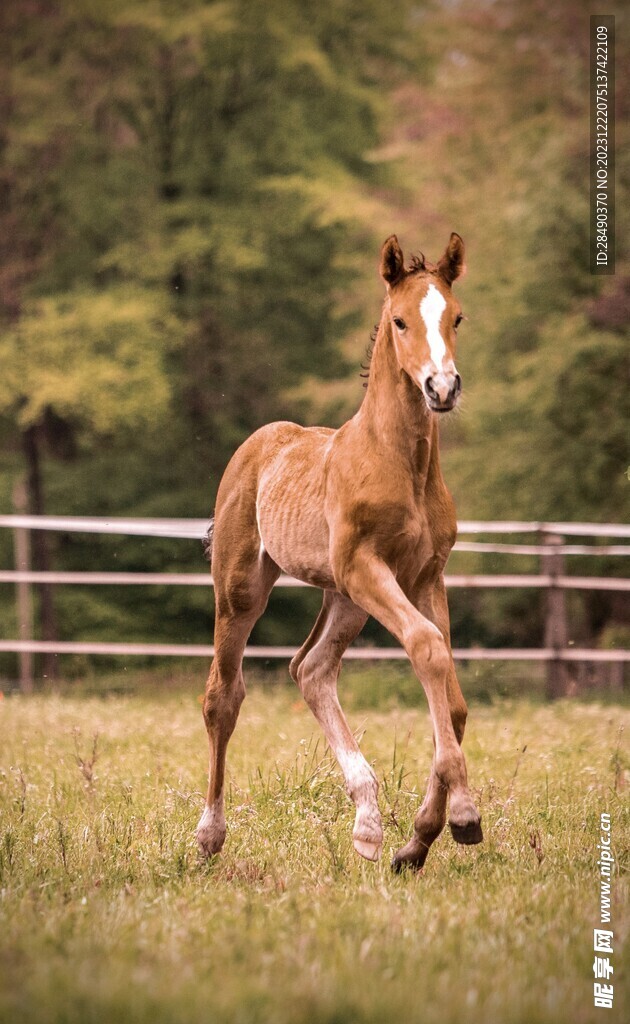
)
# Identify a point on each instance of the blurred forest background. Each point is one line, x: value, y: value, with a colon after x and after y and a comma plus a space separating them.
x: 192, y: 200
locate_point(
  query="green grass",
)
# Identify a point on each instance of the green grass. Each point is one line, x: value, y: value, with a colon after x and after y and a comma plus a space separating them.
x: 107, y: 915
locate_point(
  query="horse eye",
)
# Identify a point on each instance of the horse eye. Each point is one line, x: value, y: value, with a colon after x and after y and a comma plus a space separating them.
x: 400, y: 324
x: 458, y: 321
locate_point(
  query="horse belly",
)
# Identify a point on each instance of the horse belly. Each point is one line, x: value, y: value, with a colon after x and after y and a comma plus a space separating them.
x: 291, y: 520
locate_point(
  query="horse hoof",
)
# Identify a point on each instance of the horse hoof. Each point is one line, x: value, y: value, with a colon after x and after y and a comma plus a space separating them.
x: 371, y: 851
x: 410, y: 857
x: 210, y: 833
x: 209, y: 846
x: 469, y: 834
x: 401, y: 864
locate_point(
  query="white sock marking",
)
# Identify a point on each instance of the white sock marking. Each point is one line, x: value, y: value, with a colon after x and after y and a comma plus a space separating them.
x: 431, y: 309
x: 212, y: 815
x: 355, y: 768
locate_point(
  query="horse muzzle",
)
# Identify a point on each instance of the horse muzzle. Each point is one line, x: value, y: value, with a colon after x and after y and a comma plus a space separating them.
x: 442, y: 390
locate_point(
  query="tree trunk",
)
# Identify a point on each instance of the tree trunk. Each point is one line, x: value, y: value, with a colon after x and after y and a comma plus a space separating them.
x: 41, y: 550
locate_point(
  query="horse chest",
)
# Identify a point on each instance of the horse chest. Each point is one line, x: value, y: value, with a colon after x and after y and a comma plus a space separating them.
x: 422, y: 556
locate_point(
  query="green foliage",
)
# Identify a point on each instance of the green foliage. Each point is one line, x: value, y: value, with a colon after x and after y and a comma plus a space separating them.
x: 204, y: 160
x: 560, y: 411
x: 92, y: 359
x: 542, y: 356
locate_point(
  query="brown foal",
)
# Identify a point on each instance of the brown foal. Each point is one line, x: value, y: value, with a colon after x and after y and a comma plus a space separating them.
x: 362, y: 512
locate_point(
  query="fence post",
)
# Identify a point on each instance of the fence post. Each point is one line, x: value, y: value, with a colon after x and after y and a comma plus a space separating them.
x: 24, y: 604
x: 556, y: 629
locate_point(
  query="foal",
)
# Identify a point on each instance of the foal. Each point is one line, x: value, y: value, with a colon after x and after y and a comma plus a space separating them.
x: 363, y: 513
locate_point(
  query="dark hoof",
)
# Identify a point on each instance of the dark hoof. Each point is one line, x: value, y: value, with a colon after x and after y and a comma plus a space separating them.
x: 400, y: 866
x: 410, y: 858
x: 467, y: 835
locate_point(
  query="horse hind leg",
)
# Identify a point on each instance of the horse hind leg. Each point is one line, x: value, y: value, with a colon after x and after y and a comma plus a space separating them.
x: 316, y: 668
x: 241, y: 599
x: 225, y: 691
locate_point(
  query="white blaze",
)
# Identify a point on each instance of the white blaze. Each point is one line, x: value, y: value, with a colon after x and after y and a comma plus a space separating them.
x: 431, y: 309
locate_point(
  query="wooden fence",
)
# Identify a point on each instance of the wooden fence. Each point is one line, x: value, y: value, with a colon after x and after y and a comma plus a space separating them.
x: 549, y: 544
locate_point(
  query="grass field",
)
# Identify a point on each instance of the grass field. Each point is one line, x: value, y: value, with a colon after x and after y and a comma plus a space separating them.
x: 107, y: 915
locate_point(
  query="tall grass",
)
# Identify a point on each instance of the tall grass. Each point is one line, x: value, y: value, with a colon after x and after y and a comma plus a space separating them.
x: 106, y: 913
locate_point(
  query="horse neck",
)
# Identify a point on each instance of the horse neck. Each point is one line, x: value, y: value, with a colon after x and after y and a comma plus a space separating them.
x: 394, y: 414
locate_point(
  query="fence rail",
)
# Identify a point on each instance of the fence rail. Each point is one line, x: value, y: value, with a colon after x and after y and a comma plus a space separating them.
x: 192, y: 579
x: 550, y: 548
x: 195, y: 529
x: 570, y: 654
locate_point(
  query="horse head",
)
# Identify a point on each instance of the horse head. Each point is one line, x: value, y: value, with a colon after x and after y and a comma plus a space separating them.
x: 424, y: 317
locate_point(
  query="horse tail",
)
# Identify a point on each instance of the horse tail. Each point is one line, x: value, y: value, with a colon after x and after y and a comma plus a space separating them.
x: 207, y: 540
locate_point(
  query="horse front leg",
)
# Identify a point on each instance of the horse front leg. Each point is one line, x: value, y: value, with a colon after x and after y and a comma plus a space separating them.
x: 371, y: 583
x: 431, y: 817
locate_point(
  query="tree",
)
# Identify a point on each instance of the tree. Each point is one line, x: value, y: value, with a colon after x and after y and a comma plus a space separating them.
x: 186, y: 191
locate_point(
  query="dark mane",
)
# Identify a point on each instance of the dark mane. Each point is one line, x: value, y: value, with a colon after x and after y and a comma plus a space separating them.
x: 419, y: 265
x: 368, y: 355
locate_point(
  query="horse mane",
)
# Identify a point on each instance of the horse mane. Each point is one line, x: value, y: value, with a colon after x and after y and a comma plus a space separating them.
x: 420, y: 265
x: 368, y: 354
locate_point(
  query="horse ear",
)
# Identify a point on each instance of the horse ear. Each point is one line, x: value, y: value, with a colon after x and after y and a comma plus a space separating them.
x: 392, y: 261
x: 452, y: 266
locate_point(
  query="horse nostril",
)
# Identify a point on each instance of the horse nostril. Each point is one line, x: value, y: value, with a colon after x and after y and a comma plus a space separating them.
x: 431, y: 392
x: 442, y: 390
